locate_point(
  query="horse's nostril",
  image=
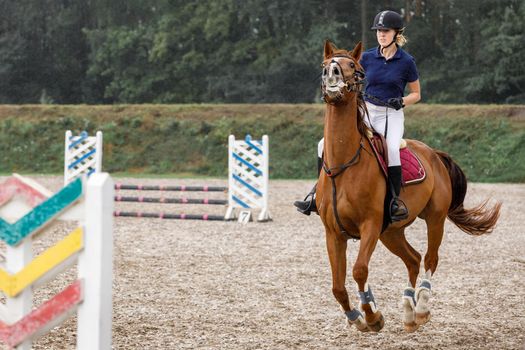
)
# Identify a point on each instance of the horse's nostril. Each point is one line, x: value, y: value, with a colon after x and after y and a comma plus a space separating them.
x: 336, y: 71
x: 324, y: 71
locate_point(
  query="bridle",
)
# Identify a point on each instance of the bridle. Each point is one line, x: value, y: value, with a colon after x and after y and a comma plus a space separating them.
x: 353, y: 84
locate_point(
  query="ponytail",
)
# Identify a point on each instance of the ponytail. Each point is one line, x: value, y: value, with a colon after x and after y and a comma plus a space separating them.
x: 400, y: 38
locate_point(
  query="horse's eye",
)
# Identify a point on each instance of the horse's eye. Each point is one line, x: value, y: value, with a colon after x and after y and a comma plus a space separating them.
x: 336, y: 71
x: 352, y: 64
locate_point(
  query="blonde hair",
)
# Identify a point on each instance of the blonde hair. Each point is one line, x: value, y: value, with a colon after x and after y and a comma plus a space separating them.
x: 400, y: 38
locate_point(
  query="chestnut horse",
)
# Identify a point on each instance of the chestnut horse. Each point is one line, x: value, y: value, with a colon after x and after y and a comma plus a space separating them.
x: 353, y: 180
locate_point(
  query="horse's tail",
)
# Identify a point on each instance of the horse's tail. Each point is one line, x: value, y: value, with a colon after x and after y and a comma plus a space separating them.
x: 476, y: 221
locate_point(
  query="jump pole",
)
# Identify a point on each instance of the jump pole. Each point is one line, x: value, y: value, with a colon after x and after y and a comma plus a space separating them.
x: 119, y: 186
x: 204, y: 217
x: 140, y: 199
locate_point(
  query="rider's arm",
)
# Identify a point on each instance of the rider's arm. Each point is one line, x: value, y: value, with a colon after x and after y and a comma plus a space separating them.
x: 415, y: 95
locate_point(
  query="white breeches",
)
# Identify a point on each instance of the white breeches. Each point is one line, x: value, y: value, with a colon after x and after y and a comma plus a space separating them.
x: 396, y: 128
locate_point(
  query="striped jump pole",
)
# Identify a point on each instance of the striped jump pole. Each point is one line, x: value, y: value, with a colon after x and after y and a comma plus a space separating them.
x: 89, y: 247
x: 83, y: 155
x: 248, y: 176
x: 205, y: 217
x: 171, y: 200
x: 119, y: 186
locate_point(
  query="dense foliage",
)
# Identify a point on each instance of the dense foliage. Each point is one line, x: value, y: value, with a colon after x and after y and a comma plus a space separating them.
x: 249, y: 51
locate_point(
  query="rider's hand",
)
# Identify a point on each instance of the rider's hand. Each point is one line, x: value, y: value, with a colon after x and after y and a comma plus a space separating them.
x: 396, y: 103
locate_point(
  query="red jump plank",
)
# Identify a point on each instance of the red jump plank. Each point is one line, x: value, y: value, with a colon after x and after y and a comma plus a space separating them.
x: 60, y: 304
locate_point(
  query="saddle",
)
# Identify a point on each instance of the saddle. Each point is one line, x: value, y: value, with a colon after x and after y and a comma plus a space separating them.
x: 413, y: 171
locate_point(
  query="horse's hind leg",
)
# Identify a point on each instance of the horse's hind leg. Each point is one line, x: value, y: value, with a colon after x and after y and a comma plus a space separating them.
x: 337, y: 254
x: 435, y: 228
x: 396, y: 242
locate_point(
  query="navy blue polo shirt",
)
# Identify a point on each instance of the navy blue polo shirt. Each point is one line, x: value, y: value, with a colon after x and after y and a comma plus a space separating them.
x: 388, y: 78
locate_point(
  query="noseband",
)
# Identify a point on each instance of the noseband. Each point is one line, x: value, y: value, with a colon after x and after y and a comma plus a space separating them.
x: 355, y: 83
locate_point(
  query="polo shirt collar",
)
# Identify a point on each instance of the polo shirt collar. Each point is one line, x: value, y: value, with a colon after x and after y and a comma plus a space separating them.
x: 395, y: 57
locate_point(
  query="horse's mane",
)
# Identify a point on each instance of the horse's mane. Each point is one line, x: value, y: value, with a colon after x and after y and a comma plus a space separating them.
x: 362, y: 111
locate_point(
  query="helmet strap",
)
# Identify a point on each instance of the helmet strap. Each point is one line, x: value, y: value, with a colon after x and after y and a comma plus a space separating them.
x: 393, y: 41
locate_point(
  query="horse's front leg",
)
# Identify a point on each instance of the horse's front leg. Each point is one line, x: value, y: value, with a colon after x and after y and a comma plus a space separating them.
x: 337, y: 254
x: 369, y: 237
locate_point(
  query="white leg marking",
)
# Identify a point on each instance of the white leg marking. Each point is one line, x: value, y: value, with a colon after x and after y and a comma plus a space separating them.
x: 423, y: 293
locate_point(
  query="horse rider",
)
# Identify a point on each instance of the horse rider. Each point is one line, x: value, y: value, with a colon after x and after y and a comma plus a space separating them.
x: 389, y: 69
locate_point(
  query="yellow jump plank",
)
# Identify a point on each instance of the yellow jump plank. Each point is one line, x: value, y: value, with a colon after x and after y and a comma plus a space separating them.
x: 12, y: 285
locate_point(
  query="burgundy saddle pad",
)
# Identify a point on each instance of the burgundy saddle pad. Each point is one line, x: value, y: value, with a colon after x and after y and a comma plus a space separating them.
x: 412, y: 169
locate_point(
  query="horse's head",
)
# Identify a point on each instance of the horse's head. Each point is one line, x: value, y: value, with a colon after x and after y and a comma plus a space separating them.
x: 342, y: 74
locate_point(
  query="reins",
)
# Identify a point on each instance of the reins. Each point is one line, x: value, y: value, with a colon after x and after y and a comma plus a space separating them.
x: 382, y: 103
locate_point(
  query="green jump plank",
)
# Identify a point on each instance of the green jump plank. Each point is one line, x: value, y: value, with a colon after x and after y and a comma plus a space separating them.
x: 13, y: 234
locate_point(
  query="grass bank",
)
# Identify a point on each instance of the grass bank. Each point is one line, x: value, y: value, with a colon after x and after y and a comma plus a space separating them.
x: 487, y: 141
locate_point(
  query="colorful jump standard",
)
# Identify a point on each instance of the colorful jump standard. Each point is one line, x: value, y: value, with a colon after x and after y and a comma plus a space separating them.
x: 89, y: 246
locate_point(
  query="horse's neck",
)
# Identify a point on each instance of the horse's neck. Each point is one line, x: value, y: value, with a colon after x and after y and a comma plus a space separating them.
x: 341, y: 137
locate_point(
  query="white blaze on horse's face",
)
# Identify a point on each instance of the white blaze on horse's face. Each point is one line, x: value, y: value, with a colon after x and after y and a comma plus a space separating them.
x: 333, y: 79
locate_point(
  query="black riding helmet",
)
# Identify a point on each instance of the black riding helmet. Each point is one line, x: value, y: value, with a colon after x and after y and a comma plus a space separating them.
x: 388, y: 20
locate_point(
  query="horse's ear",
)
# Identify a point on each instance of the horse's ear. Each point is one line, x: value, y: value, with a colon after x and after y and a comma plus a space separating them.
x: 329, y: 49
x: 357, y: 51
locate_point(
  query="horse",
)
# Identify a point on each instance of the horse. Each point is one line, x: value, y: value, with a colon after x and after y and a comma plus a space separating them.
x: 350, y: 198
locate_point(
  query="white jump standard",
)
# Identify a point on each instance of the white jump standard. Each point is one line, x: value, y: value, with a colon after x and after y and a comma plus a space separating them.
x: 248, y: 176
x: 83, y: 155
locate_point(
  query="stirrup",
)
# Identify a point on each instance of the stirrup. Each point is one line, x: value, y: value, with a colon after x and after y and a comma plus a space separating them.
x: 307, y: 205
x: 398, y: 210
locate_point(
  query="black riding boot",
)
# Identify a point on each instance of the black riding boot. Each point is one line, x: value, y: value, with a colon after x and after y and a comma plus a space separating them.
x: 307, y: 205
x: 398, y: 209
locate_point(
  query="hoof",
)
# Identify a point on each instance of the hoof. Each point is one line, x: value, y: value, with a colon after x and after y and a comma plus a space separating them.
x: 422, y: 318
x: 359, y: 324
x: 377, y: 323
x: 411, y: 327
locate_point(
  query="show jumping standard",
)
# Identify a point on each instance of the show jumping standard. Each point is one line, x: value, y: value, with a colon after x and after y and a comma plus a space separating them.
x: 82, y: 155
x: 90, y: 246
x: 248, y: 174
x: 351, y: 192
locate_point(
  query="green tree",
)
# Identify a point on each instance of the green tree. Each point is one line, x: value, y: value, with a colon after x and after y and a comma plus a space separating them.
x: 500, y: 68
x: 42, y: 51
x: 164, y: 51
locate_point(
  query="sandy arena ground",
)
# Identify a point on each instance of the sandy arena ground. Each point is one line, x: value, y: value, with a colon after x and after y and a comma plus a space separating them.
x: 223, y: 285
